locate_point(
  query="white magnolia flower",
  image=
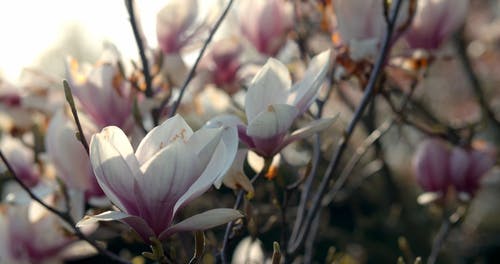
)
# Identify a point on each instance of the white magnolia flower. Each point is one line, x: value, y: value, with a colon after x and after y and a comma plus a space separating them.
x: 272, y: 104
x: 171, y: 166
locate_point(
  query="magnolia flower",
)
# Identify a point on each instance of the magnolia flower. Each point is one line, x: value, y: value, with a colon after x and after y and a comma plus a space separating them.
x: 31, y: 234
x: 171, y: 166
x: 69, y: 156
x: 21, y: 158
x: 265, y: 23
x: 221, y: 64
x: 434, y: 22
x: 102, y: 92
x: 173, y: 25
x: 272, y: 104
x: 361, y: 25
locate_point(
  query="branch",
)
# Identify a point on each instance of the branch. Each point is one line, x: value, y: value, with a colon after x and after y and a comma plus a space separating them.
x: 335, y: 161
x: 71, y: 102
x: 193, y: 69
x: 140, y: 46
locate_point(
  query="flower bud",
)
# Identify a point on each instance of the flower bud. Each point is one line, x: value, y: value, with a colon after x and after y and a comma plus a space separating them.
x: 434, y: 22
x: 467, y: 166
x: 430, y: 165
x: 265, y: 24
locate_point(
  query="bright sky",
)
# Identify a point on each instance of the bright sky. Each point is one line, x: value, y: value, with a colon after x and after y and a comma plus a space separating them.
x: 28, y: 27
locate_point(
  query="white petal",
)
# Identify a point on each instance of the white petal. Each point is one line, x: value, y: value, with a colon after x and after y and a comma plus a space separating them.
x: 269, y: 86
x: 117, y: 138
x: 213, y: 159
x: 159, y: 137
x: 305, y: 91
x: 67, y: 153
x: 236, y: 179
x: 311, y: 128
x: 113, y: 173
x: 136, y: 223
x: 275, y: 120
x: 229, y: 138
x: 203, y: 221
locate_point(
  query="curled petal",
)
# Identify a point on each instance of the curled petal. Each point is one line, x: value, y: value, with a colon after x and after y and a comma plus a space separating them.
x: 203, y: 221
x: 270, y: 86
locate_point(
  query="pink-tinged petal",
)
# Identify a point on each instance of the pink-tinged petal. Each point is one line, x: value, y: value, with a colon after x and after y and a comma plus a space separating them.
x: 203, y: 221
x: 69, y: 156
x: 172, y: 23
x: 113, y: 173
x: 305, y: 92
x: 431, y: 165
x: 459, y: 166
x: 161, y: 136
x: 21, y: 159
x: 434, y: 21
x: 310, y: 129
x: 272, y: 121
x: 167, y: 176
x: 481, y: 162
x: 212, y: 158
x: 136, y: 223
x: 270, y: 86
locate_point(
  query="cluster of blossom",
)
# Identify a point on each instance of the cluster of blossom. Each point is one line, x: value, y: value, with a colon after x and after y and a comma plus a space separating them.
x: 125, y: 150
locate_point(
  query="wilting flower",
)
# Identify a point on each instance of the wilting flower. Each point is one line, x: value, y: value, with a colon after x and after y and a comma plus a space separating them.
x: 434, y: 22
x: 272, y: 104
x: 21, y: 158
x: 102, y: 92
x: 69, y: 156
x: 221, y: 64
x: 173, y: 25
x: 361, y: 25
x: 31, y: 234
x: 171, y: 166
x: 265, y: 23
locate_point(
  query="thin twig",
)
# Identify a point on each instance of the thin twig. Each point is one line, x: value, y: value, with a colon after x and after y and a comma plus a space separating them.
x: 140, y: 46
x: 71, y: 102
x: 239, y: 199
x: 335, y: 161
x: 65, y: 216
x: 351, y: 164
x: 439, y: 240
x: 193, y: 69
x: 306, y: 189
